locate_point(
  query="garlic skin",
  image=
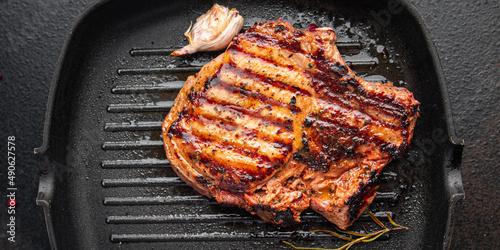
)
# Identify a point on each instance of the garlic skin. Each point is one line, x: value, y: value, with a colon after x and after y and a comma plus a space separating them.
x: 212, y: 31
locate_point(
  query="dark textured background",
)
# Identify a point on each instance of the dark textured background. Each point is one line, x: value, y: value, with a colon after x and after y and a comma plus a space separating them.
x: 467, y: 36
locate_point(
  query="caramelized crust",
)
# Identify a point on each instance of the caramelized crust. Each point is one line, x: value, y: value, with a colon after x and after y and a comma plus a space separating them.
x: 279, y: 123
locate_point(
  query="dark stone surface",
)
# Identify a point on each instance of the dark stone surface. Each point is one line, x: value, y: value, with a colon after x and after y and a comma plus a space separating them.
x: 31, y: 36
x: 467, y: 36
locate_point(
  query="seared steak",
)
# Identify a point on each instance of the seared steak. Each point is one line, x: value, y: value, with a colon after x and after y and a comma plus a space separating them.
x: 279, y: 123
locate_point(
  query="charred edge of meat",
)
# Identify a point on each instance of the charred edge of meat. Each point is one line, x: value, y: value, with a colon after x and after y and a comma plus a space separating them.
x: 278, y: 217
x: 358, y: 201
x: 174, y: 129
x: 394, y: 151
x: 416, y: 109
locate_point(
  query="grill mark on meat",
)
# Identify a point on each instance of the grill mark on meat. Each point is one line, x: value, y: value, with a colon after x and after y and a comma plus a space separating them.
x: 264, y: 40
x: 394, y: 112
x: 322, y: 56
x: 281, y: 58
x: 253, y: 83
x: 236, y: 137
x: 231, y: 169
x: 389, y: 94
x: 175, y: 130
x: 237, y: 170
x: 265, y: 47
x: 247, y: 105
x: 294, y: 78
x: 231, y: 166
x: 377, y: 108
x: 323, y: 66
x: 240, y: 113
x: 265, y: 100
x: 327, y: 141
x: 349, y: 86
x: 229, y: 116
x: 362, y: 123
x: 266, y: 85
x: 396, y: 97
x: 333, y: 136
x: 237, y: 104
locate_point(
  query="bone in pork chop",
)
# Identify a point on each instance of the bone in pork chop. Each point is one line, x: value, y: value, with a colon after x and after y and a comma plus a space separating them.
x: 279, y: 123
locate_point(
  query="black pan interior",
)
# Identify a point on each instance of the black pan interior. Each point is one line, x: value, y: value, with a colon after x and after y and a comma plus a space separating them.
x: 112, y: 186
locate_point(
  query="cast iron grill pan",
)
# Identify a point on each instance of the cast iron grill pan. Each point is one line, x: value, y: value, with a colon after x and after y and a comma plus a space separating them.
x: 106, y: 183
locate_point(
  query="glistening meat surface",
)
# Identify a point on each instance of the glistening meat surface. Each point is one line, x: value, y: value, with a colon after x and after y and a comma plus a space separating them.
x: 279, y: 123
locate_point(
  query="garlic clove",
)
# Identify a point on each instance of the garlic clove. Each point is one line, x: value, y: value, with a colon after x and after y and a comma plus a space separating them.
x: 212, y: 31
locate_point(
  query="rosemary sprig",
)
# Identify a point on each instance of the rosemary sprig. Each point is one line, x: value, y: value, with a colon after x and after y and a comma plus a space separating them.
x: 376, y: 219
x: 340, y: 236
x: 348, y: 235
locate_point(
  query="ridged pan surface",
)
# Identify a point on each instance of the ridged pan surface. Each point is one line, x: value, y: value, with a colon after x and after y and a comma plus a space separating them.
x: 113, y: 185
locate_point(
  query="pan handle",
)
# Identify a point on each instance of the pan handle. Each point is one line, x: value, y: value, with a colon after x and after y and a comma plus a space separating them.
x: 453, y: 166
x: 453, y: 179
x: 46, y: 188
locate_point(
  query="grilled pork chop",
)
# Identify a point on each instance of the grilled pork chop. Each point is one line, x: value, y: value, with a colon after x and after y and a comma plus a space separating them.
x: 279, y: 123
